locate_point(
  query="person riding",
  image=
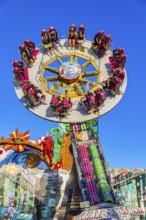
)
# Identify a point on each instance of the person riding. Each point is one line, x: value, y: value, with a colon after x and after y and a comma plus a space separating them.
x: 72, y: 35
x: 18, y: 64
x: 120, y: 74
x: 20, y: 71
x: 121, y: 60
x: 97, y: 44
x: 89, y: 101
x: 118, y: 52
x: 32, y: 93
x: 25, y: 86
x: 65, y: 104
x: 61, y: 112
x: 98, y: 39
x: 26, y: 54
x: 54, y: 103
x: 106, y: 42
x: 29, y: 44
x: 104, y: 46
x: 81, y: 34
x: 112, y: 85
x: 40, y: 96
x: 118, y: 60
x: 100, y: 96
x: 70, y: 104
x: 54, y: 37
x: 19, y: 74
x: 109, y: 85
x: 118, y: 83
x: 46, y: 40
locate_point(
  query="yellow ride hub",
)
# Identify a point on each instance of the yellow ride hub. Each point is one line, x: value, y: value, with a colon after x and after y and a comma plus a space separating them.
x: 70, y: 81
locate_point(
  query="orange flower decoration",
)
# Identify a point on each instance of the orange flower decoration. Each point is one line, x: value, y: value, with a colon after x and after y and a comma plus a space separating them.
x: 16, y: 141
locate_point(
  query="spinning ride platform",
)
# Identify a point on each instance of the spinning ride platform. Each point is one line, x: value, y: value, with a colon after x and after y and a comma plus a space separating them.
x: 78, y: 72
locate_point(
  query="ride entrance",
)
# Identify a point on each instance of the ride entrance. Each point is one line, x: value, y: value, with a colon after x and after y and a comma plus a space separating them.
x: 72, y: 81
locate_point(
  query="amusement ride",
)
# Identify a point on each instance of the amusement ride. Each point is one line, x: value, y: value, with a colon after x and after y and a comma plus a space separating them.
x: 72, y: 81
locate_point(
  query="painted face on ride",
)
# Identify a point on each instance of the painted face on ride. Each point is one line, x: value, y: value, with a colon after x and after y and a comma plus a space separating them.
x: 70, y: 71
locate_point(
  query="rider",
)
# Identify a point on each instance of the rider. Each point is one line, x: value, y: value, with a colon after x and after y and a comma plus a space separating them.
x: 19, y: 74
x: 96, y: 45
x: 61, y: 112
x: 32, y: 95
x: 54, y: 37
x: 121, y: 60
x: 25, y: 86
x: 65, y: 104
x: 17, y: 64
x: 54, y: 103
x: 118, y: 52
x: 26, y: 54
x: 120, y: 74
x: 40, y: 96
x: 70, y: 104
x: 118, y: 83
x: 46, y: 41
x: 89, y: 101
x: 109, y: 85
x: 99, y: 96
x: 106, y: 42
x: 18, y: 70
x: 72, y: 35
x: 81, y: 34
x: 118, y: 60
x: 29, y: 44
x: 112, y: 85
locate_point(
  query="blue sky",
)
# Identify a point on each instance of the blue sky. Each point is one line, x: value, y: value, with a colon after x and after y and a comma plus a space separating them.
x: 122, y: 131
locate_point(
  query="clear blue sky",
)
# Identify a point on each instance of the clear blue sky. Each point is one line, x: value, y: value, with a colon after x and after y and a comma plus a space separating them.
x: 122, y: 131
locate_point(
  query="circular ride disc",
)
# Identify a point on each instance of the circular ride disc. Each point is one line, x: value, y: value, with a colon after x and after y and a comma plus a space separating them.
x: 66, y: 73
x: 33, y: 160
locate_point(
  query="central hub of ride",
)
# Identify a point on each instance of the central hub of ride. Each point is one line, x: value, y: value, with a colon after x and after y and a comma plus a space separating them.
x: 69, y: 71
